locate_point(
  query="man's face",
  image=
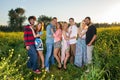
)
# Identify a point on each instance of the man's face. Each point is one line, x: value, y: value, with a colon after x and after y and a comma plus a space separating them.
x: 71, y: 22
x: 87, y: 21
x: 55, y: 22
x: 32, y: 21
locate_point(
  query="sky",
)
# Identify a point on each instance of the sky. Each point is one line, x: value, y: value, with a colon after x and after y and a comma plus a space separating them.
x: 99, y: 10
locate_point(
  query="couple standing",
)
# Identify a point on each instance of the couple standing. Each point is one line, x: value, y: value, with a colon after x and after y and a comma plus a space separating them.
x: 34, y: 44
x: 85, y: 42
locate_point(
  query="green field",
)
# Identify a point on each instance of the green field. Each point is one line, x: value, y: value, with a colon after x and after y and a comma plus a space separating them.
x: 106, y: 61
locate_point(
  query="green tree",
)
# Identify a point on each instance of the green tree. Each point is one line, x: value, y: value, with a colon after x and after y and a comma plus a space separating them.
x: 16, y: 19
x: 45, y: 19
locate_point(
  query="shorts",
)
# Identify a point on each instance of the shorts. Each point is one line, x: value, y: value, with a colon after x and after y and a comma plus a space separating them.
x: 57, y: 44
x: 38, y: 44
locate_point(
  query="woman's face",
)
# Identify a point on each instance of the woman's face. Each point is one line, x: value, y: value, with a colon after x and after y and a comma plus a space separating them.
x: 83, y: 24
x: 65, y: 26
x: 39, y: 26
x: 58, y: 26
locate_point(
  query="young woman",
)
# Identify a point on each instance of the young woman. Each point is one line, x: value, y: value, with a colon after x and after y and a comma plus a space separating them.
x: 57, y: 43
x: 65, y: 45
x: 39, y: 43
x: 81, y: 54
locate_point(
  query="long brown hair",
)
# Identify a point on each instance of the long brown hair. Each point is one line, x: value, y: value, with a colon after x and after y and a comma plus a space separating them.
x: 60, y: 25
x: 38, y: 28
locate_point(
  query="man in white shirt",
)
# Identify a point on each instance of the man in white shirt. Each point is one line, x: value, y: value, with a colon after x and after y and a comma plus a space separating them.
x: 73, y: 35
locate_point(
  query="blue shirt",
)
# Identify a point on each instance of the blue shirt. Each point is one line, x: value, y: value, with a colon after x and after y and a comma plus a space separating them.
x: 40, y: 32
x: 49, y: 38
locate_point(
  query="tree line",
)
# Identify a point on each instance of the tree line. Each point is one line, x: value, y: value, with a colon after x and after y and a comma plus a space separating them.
x: 17, y: 18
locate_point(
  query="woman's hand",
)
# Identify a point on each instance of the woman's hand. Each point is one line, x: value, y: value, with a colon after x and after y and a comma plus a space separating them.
x: 27, y: 47
x: 80, y: 35
x: 31, y: 28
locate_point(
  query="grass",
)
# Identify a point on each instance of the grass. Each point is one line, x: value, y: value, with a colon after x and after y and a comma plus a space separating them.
x: 13, y: 58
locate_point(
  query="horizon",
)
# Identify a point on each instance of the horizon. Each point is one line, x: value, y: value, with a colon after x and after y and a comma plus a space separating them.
x: 99, y: 11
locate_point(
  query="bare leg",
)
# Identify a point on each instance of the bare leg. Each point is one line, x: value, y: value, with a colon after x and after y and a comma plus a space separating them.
x: 41, y: 57
x: 65, y: 60
x: 56, y: 53
x: 59, y: 55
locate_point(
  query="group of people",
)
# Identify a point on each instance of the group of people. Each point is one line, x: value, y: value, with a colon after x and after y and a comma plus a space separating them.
x: 65, y: 42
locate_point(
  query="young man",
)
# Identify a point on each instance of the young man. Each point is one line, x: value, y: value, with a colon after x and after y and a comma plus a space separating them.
x: 30, y: 45
x: 90, y: 39
x: 73, y: 35
x: 50, y: 44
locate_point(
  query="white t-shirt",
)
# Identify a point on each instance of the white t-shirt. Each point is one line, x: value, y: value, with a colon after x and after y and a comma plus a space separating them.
x: 74, y: 33
x: 84, y: 31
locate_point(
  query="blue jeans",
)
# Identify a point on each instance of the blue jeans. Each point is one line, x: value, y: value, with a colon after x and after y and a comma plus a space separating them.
x: 49, y: 55
x: 32, y: 62
x: 81, y: 53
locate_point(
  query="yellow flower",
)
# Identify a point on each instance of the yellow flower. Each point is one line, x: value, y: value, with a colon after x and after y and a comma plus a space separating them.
x: 19, y: 55
x: 12, y: 49
x: 52, y: 75
x: 45, y: 73
x: 42, y: 70
x: 43, y: 76
x: 9, y: 50
x: 22, y: 78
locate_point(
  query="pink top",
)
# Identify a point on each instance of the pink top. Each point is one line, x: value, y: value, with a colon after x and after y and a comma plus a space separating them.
x: 57, y: 35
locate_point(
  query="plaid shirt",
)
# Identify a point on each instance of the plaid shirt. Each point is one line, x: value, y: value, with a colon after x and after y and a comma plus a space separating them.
x: 28, y: 36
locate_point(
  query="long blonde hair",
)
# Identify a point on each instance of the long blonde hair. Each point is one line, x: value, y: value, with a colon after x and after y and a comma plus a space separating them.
x: 65, y: 23
x: 81, y: 27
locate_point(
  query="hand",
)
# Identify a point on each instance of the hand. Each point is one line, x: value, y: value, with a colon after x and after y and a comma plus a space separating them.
x: 80, y: 36
x: 52, y: 30
x: 31, y: 27
x: 89, y: 44
x: 52, y: 36
x: 70, y: 31
x: 27, y: 47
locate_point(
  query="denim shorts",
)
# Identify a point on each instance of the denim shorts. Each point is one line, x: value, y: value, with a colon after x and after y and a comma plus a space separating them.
x: 38, y: 44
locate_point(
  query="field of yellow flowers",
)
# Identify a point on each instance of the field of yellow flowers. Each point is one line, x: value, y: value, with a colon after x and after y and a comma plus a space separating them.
x: 106, y: 59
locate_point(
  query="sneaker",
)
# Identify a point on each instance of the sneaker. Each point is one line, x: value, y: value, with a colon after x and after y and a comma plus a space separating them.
x: 47, y: 70
x: 37, y: 71
x: 87, y: 71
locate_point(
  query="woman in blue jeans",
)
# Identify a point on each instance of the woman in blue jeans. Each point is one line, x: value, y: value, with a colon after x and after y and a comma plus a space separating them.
x: 81, y: 50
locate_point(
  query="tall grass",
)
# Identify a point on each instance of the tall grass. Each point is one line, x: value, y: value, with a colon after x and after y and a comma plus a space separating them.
x: 106, y: 59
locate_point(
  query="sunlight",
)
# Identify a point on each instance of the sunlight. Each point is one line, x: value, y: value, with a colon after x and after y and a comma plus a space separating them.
x: 112, y: 14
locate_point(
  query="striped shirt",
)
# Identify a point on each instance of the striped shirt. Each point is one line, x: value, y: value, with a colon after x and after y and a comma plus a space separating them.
x: 28, y: 36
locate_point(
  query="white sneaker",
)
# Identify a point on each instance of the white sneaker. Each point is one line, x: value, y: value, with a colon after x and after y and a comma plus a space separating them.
x: 47, y: 69
x: 87, y: 70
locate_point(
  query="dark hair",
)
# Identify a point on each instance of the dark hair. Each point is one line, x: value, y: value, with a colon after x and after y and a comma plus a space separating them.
x: 32, y: 17
x: 71, y: 19
x: 88, y: 18
x: 60, y: 25
x: 54, y: 18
